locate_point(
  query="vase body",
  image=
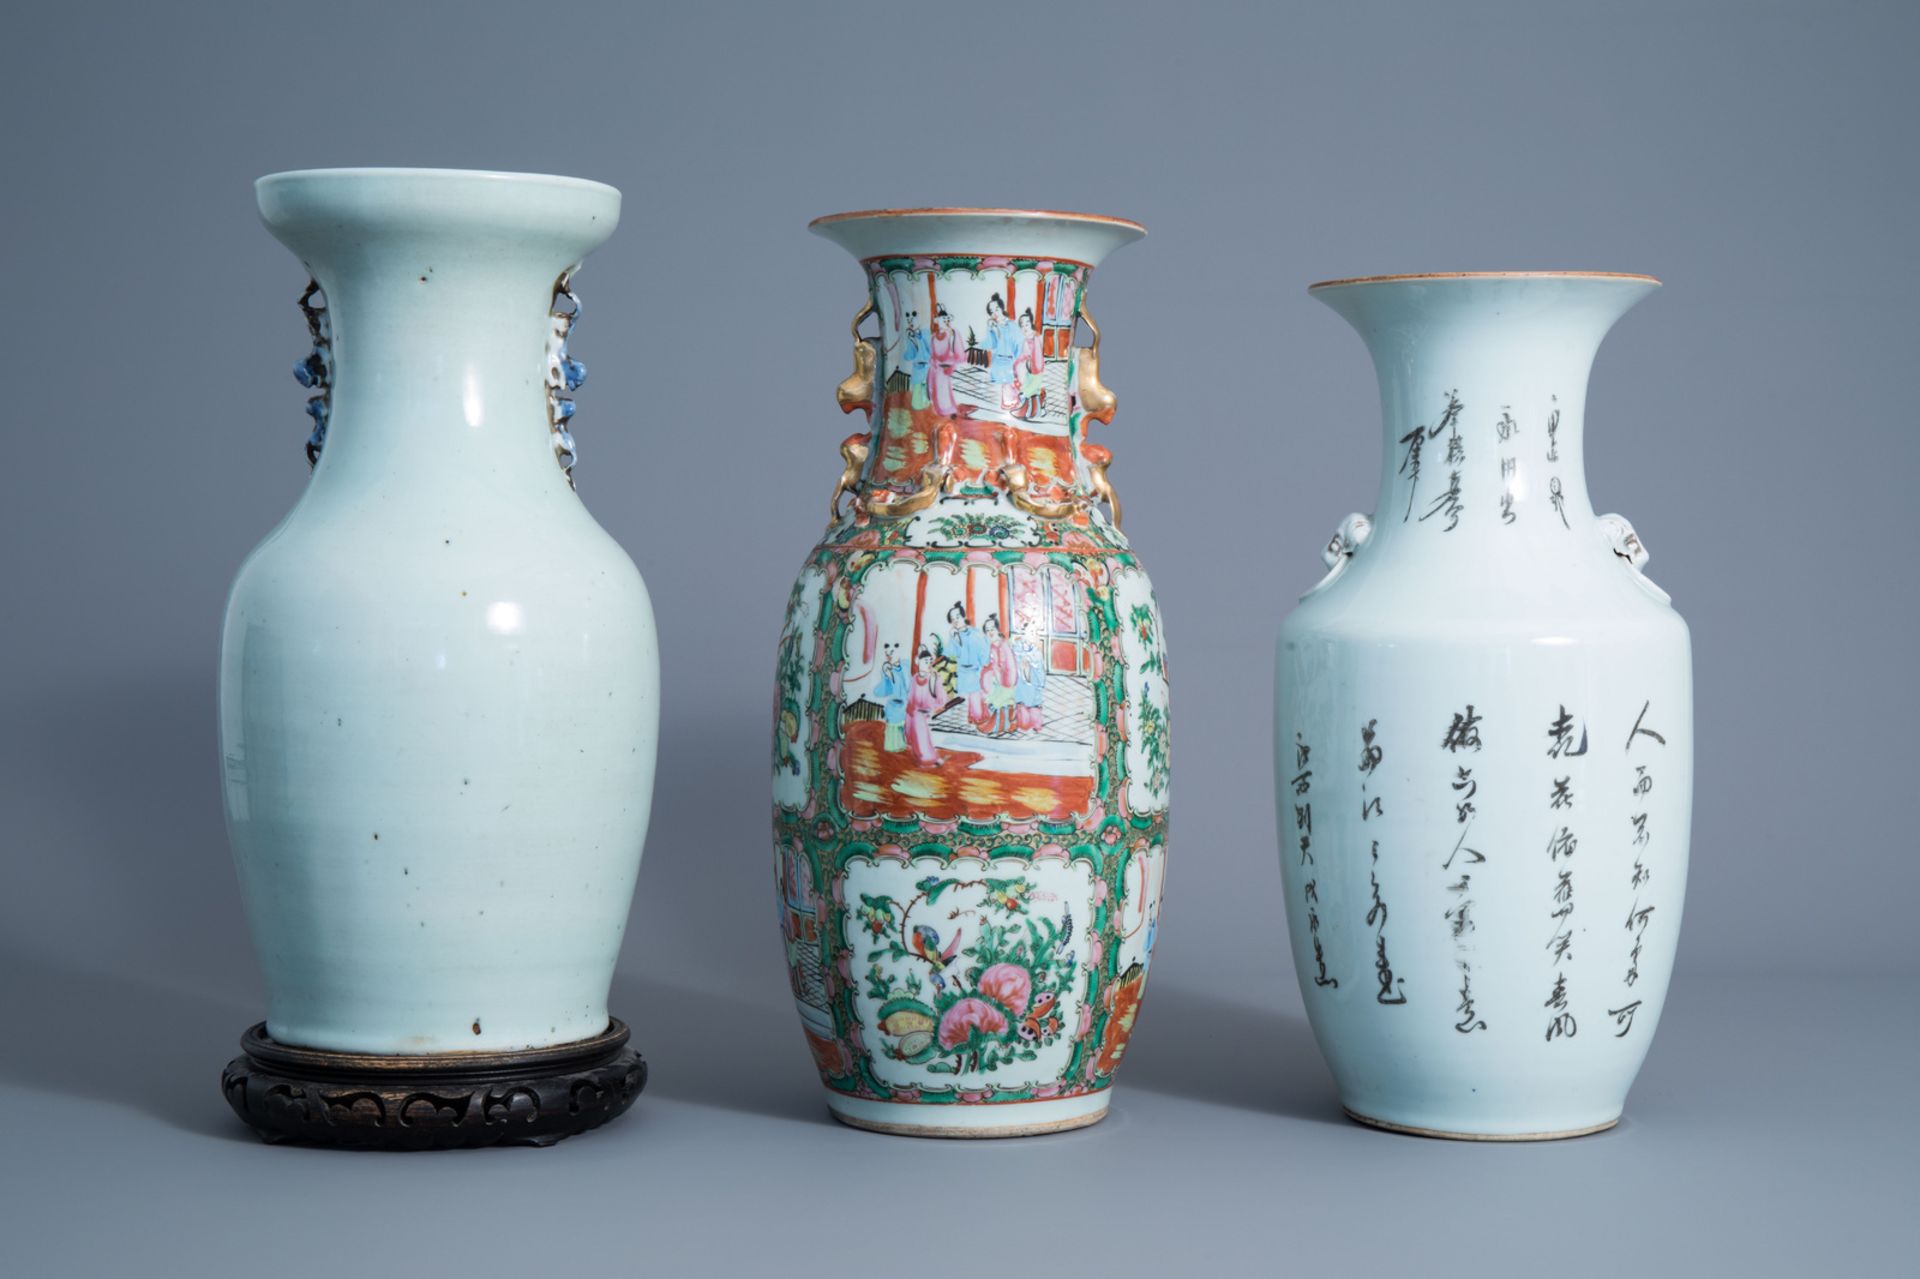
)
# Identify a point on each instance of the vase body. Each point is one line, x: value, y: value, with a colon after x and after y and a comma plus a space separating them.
x: 439, y: 678
x: 970, y: 757
x: 1483, y: 744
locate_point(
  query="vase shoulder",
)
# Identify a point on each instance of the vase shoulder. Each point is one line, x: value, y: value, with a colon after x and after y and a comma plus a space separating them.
x: 436, y: 560
x: 955, y: 526
x: 1594, y: 596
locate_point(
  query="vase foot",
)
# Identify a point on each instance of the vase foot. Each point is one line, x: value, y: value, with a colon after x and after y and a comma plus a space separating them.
x: 993, y: 1119
x: 1444, y: 1134
x: 448, y: 1101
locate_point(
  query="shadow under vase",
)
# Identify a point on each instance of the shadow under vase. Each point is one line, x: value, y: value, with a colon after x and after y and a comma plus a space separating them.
x: 716, y: 1049
x: 1204, y: 1048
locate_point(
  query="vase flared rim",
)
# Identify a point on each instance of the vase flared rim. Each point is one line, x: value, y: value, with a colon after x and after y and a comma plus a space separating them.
x: 412, y: 174
x: 1053, y: 215
x: 1436, y: 277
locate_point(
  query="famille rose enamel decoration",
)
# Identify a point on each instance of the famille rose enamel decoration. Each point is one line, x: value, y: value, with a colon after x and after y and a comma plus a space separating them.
x: 970, y: 756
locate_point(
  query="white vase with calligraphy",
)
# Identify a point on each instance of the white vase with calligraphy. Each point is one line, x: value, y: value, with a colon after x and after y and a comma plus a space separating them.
x: 1483, y: 733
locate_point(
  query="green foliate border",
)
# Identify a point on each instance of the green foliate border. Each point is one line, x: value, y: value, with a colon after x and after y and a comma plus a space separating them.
x: 829, y: 842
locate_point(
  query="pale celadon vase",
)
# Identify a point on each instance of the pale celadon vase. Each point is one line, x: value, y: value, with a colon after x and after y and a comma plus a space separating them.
x: 1484, y: 733
x: 439, y: 676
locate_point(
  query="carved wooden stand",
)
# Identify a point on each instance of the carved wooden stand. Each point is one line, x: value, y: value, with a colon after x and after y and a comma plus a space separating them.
x: 440, y: 1102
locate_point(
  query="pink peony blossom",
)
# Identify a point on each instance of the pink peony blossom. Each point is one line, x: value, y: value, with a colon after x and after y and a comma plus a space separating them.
x: 969, y: 1015
x: 1009, y: 985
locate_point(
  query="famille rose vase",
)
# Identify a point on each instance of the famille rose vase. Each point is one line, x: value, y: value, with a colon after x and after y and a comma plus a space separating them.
x: 970, y: 754
x: 439, y: 676
x: 1484, y: 733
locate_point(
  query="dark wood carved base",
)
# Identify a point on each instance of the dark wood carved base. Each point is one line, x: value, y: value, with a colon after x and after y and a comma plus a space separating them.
x: 440, y: 1102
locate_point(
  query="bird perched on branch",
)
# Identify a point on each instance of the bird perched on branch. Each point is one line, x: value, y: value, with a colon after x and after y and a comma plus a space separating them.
x: 926, y: 944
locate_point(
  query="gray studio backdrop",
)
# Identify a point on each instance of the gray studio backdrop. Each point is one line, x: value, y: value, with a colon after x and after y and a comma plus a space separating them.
x: 1755, y: 419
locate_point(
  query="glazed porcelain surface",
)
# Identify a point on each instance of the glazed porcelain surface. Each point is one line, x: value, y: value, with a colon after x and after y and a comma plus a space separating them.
x: 1484, y: 733
x: 439, y: 680
x: 970, y: 756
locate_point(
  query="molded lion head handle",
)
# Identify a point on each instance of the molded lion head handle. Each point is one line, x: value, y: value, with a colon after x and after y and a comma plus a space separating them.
x: 1353, y: 533
x: 1626, y: 545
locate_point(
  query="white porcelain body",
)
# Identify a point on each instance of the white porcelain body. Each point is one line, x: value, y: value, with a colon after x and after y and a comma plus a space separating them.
x: 1484, y: 952
x: 439, y: 676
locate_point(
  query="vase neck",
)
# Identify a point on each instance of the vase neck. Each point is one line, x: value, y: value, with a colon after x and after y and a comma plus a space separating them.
x: 1471, y: 459
x: 443, y: 377
x: 976, y: 359
x: 975, y: 392
x: 1483, y: 391
x: 440, y: 356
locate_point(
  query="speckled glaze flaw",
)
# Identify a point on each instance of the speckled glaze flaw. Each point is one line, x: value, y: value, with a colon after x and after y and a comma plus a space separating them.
x: 439, y: 680
x: 971, y: 754
x: 1484, y: 733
